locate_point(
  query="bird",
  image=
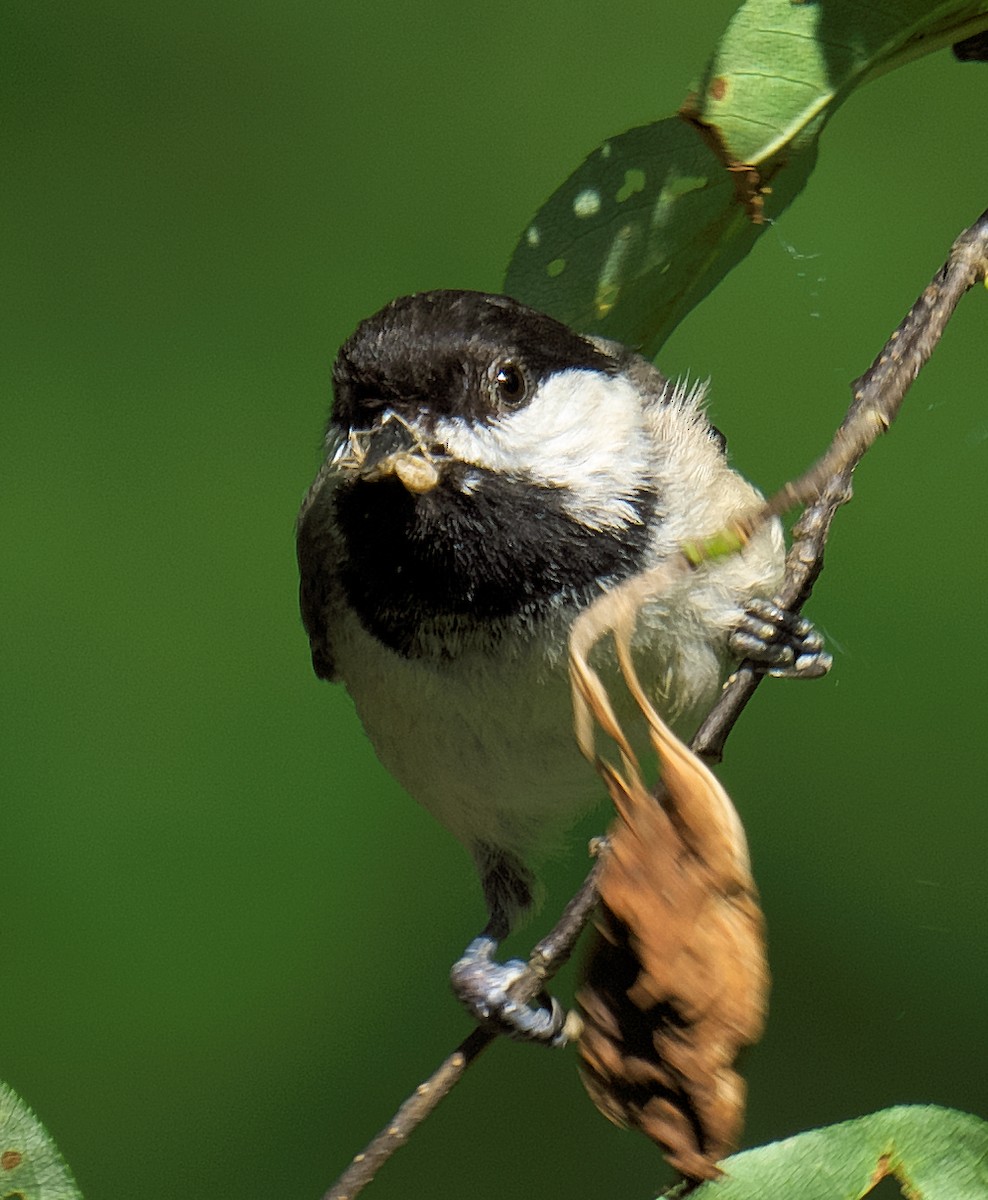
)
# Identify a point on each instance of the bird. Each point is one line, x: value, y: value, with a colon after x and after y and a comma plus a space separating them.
x: 487, y: 473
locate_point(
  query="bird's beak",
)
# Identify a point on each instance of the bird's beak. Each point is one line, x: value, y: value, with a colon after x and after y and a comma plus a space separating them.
x: 391, y: 447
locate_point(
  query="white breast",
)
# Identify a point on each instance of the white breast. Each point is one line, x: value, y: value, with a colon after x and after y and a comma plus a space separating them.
x: 486, y: 743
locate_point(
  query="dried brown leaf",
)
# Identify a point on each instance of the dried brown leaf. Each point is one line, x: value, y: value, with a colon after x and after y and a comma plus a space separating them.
x: 677, y: 980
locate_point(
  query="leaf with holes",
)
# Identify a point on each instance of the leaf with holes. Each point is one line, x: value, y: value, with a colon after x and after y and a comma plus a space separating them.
x: 656, y: 217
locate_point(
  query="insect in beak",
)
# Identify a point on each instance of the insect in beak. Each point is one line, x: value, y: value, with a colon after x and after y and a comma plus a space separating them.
x: 392, y: 447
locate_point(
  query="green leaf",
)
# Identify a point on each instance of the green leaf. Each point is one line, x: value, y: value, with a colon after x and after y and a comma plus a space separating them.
x: 782, y: 68
x: 637, y: 236
x: 934, y: 1154
x: 31, y: 1167
x: 657, y: 216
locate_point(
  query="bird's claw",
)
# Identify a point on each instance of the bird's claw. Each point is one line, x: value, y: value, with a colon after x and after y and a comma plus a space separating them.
x: 781, y: 643
x: 487, y: 988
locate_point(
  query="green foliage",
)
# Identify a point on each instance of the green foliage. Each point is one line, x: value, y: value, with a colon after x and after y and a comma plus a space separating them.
x: 934, y: 1153
x: 780, y: 70
x: 636, y: 236
x: 657, y: 216
x: 31, y: 1167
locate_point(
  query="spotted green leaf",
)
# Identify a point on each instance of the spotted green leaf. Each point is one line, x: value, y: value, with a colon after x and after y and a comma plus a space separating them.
x: 31, y: 1168
x: 656, y: 216
x: 933, y: 1153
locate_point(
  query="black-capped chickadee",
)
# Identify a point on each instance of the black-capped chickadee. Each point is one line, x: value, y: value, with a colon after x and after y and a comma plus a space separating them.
x: 488, y: 473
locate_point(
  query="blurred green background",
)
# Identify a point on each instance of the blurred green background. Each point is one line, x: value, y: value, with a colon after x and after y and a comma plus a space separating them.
x: 225, y: 932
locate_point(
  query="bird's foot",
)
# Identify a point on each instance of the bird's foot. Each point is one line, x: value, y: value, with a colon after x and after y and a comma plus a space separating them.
x: 495, y: 994
x: 779, y: 642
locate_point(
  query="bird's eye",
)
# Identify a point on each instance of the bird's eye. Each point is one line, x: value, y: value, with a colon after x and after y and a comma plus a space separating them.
x: 510, y: 386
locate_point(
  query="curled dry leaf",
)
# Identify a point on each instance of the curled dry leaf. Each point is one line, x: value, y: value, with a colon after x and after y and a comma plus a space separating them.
x: 677, y: 982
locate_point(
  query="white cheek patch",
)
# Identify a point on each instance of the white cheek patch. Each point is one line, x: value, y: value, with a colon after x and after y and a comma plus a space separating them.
x: 582, y: 431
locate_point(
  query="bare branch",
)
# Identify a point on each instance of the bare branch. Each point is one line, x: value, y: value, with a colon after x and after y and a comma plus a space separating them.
x: 411, y: 1114
x: 877, y: 398
x: 547, y: 958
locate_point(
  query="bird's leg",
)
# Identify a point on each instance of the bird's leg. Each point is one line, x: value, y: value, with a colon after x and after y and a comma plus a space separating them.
x: 779, y: 642
x: 486, y: 987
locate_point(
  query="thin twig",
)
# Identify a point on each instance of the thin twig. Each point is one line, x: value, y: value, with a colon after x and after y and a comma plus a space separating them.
x: 547, y: 959
x: 411, y: 1114
x: 877, y: 398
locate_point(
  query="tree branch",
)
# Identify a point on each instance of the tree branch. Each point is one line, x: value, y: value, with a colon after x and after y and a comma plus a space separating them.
x: 547, y: 958
x: 877, y: 398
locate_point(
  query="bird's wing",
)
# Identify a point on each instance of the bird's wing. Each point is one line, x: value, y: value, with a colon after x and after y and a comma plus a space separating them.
x: 317, y: 558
